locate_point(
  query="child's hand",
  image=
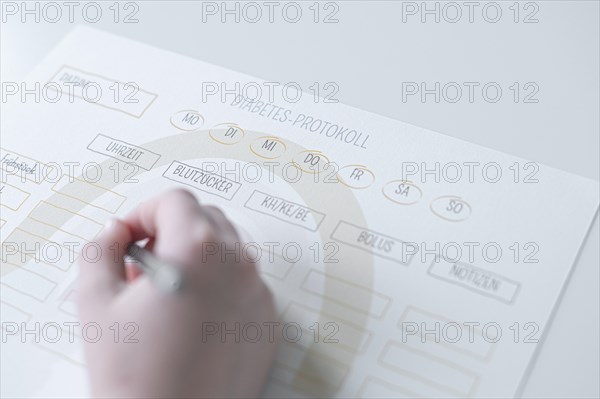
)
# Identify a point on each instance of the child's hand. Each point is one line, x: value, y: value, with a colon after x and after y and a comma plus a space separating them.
x: 183, y: 348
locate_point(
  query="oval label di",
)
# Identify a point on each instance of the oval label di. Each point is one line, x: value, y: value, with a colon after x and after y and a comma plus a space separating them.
x: 187, y: 120
x: 402, y: 192
x: 311, y: 161
x: 268, y: 147
x: 356, y: 176
x: 451, y: 208
x: 227, y: 133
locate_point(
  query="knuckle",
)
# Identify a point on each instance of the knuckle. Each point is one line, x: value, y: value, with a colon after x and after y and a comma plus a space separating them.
x: 179, y: 194
x: 214, y: 210
x: 204, y: 233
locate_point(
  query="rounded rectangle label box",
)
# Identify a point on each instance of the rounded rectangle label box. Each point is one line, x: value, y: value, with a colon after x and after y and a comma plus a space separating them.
x: 123, y: 151
x: 475, y: 279
x: 202, y: 180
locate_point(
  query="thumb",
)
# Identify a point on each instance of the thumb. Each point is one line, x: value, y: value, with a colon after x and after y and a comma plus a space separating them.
x: 102, y: 269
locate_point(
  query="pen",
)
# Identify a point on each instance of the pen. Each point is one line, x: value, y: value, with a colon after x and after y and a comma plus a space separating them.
x: 167, y: 277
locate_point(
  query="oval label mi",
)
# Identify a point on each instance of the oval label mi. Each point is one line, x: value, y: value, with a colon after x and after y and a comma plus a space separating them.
x: 268, y: 147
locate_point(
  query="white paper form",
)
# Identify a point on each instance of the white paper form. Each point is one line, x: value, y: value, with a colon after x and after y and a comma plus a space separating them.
x: 365, y: 216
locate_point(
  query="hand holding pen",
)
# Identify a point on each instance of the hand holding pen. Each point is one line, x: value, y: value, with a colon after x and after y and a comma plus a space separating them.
x: 177, y: 307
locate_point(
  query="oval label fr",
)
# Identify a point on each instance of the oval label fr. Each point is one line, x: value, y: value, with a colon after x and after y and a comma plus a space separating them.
x: 356, y: 176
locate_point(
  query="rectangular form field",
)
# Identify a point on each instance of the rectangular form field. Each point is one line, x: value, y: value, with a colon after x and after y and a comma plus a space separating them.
x: 65, y: 220
x: 28, y: 283
x: 69, y: 303
x: 202, y: 180
x: 95, y: 89
x: 334, y: 333
x: 10, y: 313
x: 278, y: 268
x: 311, y: 368
x: 374, y: 387
x: 123, y: 151
x: 20, y: 166
x: 354, y: 295
x: 437, y: 372
x: 414, y: 322
x: 371, y: 241
x: 475, y: 279
x: 23, y: 247
x: 285, y: 210
x: 89, y: 193
x: 69, y: 346
x: 46, y: 232
x: 12, y: 197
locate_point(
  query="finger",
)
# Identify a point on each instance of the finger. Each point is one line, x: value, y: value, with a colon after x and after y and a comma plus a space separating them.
x: 176, y: 222
x: 223, y: 226
x: 145, y: 220
x: 102, y: 275
x: 132, y: 269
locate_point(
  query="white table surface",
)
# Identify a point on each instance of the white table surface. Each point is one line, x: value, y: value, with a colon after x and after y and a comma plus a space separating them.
x: 368, y: 54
